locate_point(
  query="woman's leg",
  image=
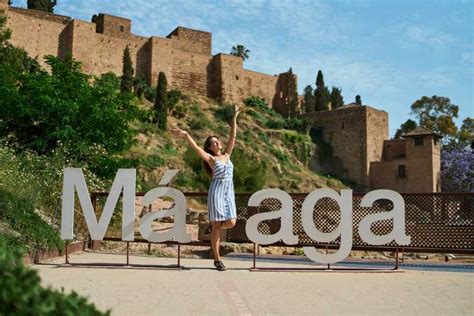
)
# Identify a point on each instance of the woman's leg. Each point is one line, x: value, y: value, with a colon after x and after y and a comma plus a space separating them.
x: 216, y: 240
x: 228, y: 223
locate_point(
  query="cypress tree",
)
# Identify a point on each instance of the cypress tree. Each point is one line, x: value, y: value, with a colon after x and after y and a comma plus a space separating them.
x: 321, y: 94
x: 161, y: 101
x: 308, y: 99
x: 126, y: 84
x: 337, y: 100
x: 292, y: 94
x: 41, y: 5
x: 358, y: 100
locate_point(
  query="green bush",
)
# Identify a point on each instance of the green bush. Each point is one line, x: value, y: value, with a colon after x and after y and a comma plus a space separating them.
x: 35, y: 233
x: 276, y: 123
x: 198, y: 178
x: 31, y: 185
x: 248, y: 176
x: 279, y: 155
x: 258, y: 116
x: 173, y: 98
x: 261, y: 105
x: 225, y: 112
x: 150, y: 93
x: 152, y: 161
x: 22, y: 294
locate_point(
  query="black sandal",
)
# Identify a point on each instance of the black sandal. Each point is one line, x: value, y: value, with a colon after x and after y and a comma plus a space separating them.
x: 219, y: 265
x: 208, y: 230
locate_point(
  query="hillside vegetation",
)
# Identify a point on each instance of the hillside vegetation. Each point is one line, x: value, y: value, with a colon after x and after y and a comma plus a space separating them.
x: 264, y: 157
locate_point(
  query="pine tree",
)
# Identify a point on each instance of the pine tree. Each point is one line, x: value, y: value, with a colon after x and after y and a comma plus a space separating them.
x: 126, y: 84
x: 308, y: 99
x: 321, y: 94
x: 161, y: 101
x: 337, y: 100
x: 42, y: 5
x: 358, y: 100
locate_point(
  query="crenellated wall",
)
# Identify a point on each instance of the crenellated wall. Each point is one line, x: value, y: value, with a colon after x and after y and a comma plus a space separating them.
x: 184, y: 55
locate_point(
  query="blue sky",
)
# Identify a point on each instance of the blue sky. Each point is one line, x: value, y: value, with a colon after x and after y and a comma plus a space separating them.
x: 391, y: 52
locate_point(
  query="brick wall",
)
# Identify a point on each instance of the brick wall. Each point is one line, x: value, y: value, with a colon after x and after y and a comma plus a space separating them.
x: 113, y: 25
x: 191, y: 40
x: 39, y: 33
x: 184, y: 55
x: 422, y: 166
x: 393, y: 148
x: 345, y: 130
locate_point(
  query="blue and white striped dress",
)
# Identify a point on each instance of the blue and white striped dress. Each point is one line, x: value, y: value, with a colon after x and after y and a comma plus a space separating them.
x: 221, y: 195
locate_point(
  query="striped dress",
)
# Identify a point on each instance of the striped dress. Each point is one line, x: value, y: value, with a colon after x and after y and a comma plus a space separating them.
x: 221, y: 196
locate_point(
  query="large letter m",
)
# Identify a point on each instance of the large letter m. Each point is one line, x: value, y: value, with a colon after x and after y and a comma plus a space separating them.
x: 74, y: 182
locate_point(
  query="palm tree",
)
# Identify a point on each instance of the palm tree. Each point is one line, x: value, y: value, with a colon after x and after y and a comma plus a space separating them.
x: 240, y: 51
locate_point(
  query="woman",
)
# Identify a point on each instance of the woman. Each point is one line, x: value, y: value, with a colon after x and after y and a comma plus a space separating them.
x: 221, y: 197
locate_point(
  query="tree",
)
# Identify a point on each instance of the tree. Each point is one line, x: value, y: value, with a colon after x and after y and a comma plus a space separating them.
x: 40, y: 111
x: 42, y: 5
x: 308, y: 99
x: 126, y: 84
x: 240, y: 51
x: 437, y: 113
x: 466, y: 132
x: 292, y: 94
x: 5, y: 34
x: 321, y: 94
x: 337, y: 101
x: 161, y: 101
x: 409, y: 125
x: 457, y: 170
x: 139, y: 87
x: 358, y: 100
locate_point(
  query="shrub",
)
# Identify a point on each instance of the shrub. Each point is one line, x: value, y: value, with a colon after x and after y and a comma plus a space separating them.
x: 225, y: 112
x: 21, y: 292
x: 150, y: 93
x: 249, y: 176
x: 31, y: 185
x: 276, y: 123
x: 173, y: 98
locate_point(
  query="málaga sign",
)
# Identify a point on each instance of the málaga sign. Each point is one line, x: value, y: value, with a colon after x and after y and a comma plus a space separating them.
x: 125, y: 180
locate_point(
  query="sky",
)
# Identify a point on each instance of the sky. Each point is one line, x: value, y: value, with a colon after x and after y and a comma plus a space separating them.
x: 391, y: 52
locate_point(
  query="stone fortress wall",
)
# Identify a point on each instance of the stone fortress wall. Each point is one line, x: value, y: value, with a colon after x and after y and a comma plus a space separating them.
x: 184, y: 55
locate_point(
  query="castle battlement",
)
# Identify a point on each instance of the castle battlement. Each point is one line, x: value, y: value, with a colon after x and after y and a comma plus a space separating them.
x: 184, y: 55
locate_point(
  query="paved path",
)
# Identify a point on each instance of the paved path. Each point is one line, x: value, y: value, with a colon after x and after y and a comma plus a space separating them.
x: 200, y: 290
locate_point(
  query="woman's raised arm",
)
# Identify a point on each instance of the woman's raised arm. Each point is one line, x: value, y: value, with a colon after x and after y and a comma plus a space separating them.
x: 233, y: 131
x: 185, y: 135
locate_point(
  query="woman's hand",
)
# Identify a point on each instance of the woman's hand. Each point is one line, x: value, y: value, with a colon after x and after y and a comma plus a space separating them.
x: 179, y: 133
x: 237, y: 110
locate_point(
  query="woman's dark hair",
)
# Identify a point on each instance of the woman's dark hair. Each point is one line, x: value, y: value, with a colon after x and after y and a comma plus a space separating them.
x: 207, y: 148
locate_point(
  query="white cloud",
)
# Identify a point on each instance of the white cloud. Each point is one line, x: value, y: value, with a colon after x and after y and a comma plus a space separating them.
x: 428, y: 37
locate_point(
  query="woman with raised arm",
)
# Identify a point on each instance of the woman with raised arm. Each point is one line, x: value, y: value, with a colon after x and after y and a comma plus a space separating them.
x: 221, y: 197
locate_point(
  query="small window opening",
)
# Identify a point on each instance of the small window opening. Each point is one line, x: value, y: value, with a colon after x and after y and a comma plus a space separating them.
x: 402, y: 171
x: 419, y: 141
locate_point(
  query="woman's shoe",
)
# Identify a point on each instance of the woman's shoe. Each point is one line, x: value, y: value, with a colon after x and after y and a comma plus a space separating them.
x: 219, y: 265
